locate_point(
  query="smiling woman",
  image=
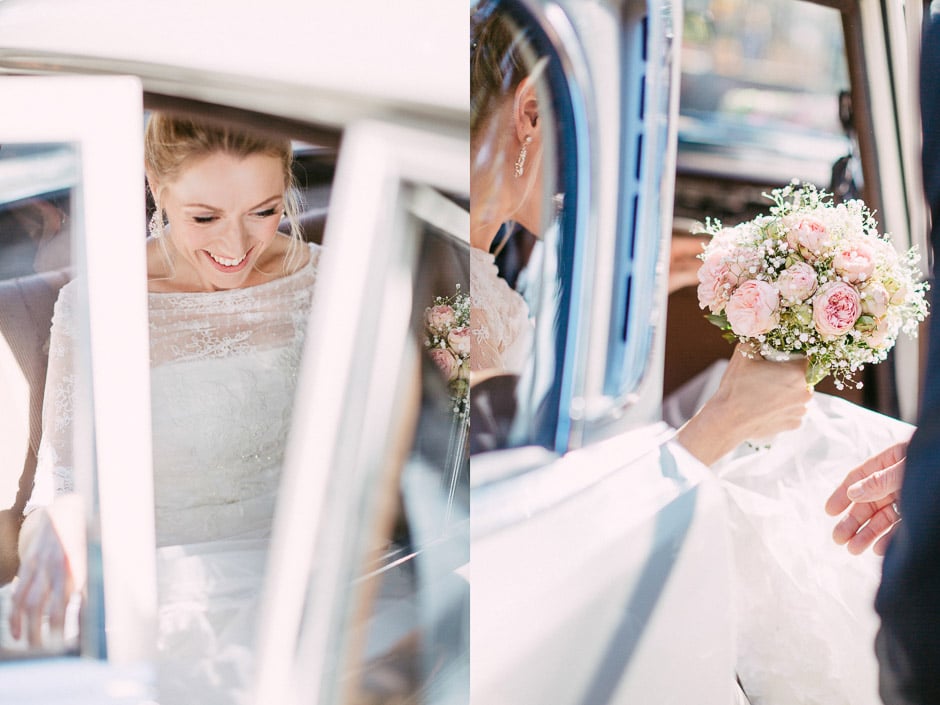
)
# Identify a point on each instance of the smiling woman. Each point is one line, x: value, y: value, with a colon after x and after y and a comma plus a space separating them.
x: 223, y: 192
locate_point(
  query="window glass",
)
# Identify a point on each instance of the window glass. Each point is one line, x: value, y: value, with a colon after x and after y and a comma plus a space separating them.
x: 39, y: 195
x: 403, y: 634
x: 422, y: 602
x: 759, y: 97
x: 522, y: 223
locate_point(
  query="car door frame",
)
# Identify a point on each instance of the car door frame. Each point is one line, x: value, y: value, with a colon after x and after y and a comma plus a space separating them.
x: 102, y: 118
x: 351, y: 390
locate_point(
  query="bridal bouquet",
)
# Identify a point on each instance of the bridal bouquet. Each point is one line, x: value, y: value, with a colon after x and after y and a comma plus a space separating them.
x: 814, y: 279
x: 447, y: 339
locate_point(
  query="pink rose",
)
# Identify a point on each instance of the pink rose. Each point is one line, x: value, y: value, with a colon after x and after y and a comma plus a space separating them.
x: 446, y: 362
x: 721, y: 271
x: 806, y: 235
x: 440, y: 318
x: 754, y: 308
x: 836, y: 308
x: 459, y: 340
x: 797, y: 282
x: 854, y: 261
x: 874, y: 299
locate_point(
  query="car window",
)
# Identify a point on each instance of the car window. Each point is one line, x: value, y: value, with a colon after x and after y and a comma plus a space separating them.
x: 417, y: 631
x: 524, y: 267
x: 38, y: 187
x: 367, y: 589
x: 760, y: 100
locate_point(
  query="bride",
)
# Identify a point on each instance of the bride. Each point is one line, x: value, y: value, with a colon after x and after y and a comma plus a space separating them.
x: 228, y: 301
x: 805, y: 616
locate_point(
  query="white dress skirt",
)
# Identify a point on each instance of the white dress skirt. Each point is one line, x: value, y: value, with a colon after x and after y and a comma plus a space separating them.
x: 806, y: 622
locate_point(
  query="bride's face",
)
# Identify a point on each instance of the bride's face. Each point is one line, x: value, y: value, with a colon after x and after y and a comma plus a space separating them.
x: 223, y: 213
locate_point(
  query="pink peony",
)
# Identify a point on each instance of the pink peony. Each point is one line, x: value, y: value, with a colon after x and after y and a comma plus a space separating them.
x: 440, y: 318
x: 855, y: 261
x: 806, y: 235
x: 836, y: 308
x: 459, y: 340
x: 797, y: 282
x: 754, y: 308
x: 446, y: 362
x: 874, y: 299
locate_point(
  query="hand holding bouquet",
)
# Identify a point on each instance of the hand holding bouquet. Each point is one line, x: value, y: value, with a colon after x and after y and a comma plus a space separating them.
x: 812, y: 278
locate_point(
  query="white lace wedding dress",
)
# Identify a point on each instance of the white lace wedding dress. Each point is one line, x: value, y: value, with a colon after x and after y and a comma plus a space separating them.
x: 223, y: 371
x: 805, y: 606
x: 500, y: 326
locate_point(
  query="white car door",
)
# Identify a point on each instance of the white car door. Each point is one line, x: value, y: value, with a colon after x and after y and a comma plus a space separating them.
x: 72, y: 177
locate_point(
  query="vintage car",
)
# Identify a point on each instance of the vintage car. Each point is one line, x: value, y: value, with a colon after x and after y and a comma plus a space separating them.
x: 568, y: 550
x: 368, y: 586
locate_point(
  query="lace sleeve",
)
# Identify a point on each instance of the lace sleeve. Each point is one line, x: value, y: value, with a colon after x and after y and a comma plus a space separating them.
x: 54, y: 474
x: 500, y: 327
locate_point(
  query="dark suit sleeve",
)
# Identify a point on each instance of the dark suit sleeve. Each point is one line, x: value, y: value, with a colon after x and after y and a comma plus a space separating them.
x: 909, y: 597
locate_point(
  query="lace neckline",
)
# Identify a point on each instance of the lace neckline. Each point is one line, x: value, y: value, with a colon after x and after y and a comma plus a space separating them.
x: 301, y: 274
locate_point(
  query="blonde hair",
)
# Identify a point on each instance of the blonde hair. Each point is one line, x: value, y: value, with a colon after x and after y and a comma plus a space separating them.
x: 170, y: 141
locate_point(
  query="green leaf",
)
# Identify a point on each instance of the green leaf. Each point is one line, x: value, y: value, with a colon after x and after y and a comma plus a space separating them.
x: 718, y: 319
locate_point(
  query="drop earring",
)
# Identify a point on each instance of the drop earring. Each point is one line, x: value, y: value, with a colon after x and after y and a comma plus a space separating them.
x: 523, y: 153
x: 156, y: 223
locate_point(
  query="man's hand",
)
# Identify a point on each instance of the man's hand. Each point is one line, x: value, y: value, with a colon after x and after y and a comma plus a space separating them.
x: 870, y: 493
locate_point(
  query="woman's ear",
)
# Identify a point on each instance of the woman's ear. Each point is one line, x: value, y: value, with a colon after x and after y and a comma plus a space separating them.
x: 526, y: 111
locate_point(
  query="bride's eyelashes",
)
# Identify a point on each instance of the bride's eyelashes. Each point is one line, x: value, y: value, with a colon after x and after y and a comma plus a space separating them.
x: 266, y: 213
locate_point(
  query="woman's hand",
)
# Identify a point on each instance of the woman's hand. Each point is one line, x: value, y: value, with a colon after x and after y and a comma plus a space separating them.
x: 756, y: 398
x: 870, y: 493
x: 52, y: 567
